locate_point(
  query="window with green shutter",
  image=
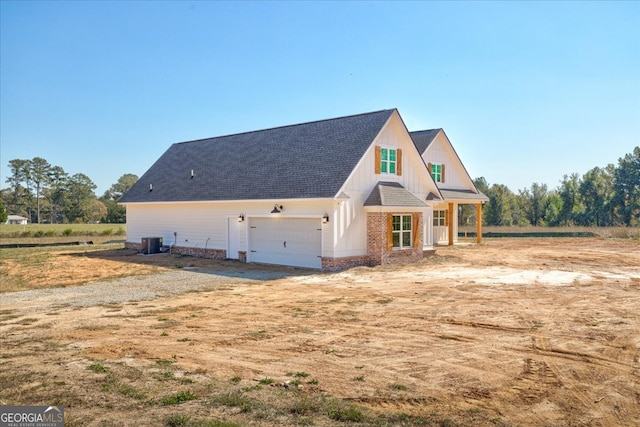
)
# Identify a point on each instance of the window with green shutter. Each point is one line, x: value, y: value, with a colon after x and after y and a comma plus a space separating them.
x: 436, y: 172
x: 388, y: 159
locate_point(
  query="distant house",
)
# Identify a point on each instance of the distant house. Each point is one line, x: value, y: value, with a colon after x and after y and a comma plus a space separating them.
x: 330, y: 194
x: 16, y: 219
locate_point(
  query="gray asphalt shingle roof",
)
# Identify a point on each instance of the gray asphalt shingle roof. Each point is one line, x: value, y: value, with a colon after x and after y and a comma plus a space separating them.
x: 423, y: 138
x: 392, y: 194
x: 452, y: 194
x: 309, y: 160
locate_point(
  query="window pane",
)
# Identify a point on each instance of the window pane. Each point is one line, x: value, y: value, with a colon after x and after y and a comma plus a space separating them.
x: 383, y: 167
x: 392, y: 155
x: 406, y: 239
x: 396, y: 240
x: 392, y: 168
x: 385, y: 154
x: 406, y: 222
x: 396, y: 222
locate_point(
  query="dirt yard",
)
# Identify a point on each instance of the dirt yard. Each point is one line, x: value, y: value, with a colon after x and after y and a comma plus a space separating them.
x: 512, y: 332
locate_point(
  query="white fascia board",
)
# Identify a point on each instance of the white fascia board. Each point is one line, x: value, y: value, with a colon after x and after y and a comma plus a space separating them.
x: 394, y: 209
x: 221, y: 202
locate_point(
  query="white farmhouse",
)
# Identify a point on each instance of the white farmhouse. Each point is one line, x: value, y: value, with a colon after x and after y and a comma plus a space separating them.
x: 330, y: 194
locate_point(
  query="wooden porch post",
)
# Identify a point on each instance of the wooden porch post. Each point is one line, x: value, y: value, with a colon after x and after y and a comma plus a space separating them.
x: 479, y: 223
x: 450, y: 222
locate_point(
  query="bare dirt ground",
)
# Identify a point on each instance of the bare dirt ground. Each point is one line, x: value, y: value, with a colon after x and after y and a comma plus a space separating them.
x: 521, y: 332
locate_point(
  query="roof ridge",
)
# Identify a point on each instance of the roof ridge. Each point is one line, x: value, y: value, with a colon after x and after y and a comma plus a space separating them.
x: 287, y: 126
x: 425, y: 130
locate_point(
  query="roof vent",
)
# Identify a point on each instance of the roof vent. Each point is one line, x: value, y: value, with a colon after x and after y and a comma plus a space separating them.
x: 150, y: 187
x: 191, y: 173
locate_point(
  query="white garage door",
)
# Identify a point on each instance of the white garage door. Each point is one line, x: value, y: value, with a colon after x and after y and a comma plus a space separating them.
x: 286, y: 241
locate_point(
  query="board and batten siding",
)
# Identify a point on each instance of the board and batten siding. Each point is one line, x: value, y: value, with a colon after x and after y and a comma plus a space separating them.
x: 441, y: 152
x: 205, y: 224
x: 351, y: 229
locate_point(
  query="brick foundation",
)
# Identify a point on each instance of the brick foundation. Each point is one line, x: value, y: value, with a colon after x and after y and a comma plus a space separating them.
x: 182, y: 250
x: 337, y: 264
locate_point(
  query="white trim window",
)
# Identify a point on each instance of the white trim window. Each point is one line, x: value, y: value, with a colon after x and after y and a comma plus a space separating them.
x: 388, y: 158
x: 436, y: 172
x: 402, y: 231
x: 439, y: 218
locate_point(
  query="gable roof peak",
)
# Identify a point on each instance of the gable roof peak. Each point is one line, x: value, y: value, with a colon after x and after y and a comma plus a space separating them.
x: 285, y: 127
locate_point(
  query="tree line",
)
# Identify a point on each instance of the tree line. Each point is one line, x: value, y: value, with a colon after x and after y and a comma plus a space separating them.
x: 45, y: 193
x: 604, y: 196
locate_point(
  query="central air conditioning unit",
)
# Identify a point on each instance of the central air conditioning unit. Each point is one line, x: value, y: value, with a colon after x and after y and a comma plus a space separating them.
x: 151, y: 245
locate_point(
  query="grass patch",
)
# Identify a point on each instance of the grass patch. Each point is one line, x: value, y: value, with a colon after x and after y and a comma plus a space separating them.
x: 339, y: 410
x: 398, y: 387
x: 234, y: 399
x: 113, y: 384
x: 178, y: 398
x: 98, y: 368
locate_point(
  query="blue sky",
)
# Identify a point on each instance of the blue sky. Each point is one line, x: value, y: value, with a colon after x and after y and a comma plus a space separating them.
x: 526, y: 91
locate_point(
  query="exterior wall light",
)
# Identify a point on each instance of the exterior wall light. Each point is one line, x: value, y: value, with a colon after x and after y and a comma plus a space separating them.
x: 325, y: 218
x: 277, y: 209
x: 241, y: 218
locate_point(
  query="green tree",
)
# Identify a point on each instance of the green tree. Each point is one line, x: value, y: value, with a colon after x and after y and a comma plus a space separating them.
x: 3, y: 213
x: 569, y: 193
x: 80, y: 189
x: 552, y: 209
x: 116, y: 213
x: 20, y: 195
x: 39, y: 172
x: 499, y: 208
x: 627, y: 188
x: 57, y: 194
x: 596, y: 192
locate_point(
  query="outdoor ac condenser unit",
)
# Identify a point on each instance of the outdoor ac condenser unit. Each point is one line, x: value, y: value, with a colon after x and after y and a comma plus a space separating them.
x: 151, y: 245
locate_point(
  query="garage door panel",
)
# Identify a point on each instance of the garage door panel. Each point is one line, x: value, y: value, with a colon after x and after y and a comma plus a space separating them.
x: 286, y: 241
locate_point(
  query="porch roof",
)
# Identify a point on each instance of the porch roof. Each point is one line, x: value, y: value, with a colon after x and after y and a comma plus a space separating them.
x: 463, y: 196
x: 392, y: 194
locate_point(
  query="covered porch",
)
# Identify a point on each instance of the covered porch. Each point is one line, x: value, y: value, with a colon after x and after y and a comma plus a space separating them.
x: 445, y: 217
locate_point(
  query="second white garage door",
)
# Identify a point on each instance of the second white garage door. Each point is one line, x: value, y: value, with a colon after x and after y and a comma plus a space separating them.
x: 286, y: 241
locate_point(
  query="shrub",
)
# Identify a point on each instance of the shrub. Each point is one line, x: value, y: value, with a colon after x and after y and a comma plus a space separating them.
x: 68, y: 231
x: 107, y: 232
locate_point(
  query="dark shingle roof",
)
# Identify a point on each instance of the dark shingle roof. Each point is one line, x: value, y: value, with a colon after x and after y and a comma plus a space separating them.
x: 450, y: 194
x: 423, y: 138
x: 309, y: 160
x: 392, y: 194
